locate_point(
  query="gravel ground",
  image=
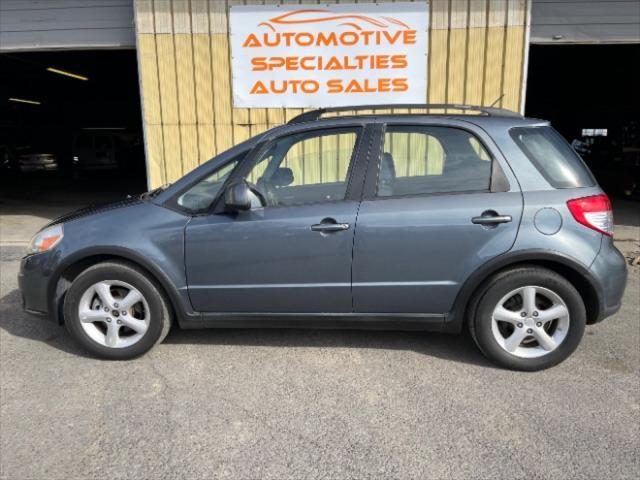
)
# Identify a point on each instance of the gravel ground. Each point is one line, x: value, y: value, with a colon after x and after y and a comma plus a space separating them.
x: 314, y: 404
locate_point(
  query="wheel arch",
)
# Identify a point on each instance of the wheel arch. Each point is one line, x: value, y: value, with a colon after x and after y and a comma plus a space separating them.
x: 576, y: 273
x: 65, y: 274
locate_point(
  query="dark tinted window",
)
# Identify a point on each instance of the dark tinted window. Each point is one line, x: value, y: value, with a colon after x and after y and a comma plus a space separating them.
x: 422, y: 160
x: 553, y: 157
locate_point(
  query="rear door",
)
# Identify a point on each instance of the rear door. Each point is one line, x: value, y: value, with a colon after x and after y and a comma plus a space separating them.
x: 439, y: 201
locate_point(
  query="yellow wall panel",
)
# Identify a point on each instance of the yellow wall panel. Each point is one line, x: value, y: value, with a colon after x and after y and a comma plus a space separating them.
x: 513, y: 68
x: 185, y: 78
x: 189, y: 147
x: 156, y: 172
x: 150, y: 89
x: 172, y: 152
x: 203, y: 78
x: 457, y: 65
x: 206, y: 142
x: 475, y: 66
x: 494, y: 67
x: 167, y: 79
x: 222, y: 96
x: 438, y: 55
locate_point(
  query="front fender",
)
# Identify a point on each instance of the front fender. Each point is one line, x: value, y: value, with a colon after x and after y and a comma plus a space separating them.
x: 145, y: 234
x: 58, y: 284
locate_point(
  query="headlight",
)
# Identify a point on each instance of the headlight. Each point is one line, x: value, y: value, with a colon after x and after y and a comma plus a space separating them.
x: 46, y: 239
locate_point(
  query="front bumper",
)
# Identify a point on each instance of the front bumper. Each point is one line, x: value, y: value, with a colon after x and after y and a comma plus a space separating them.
x: 34, y: 280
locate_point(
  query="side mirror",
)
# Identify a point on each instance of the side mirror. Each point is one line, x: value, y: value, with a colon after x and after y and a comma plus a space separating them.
x: 282, y: 177
x: 237, y: 197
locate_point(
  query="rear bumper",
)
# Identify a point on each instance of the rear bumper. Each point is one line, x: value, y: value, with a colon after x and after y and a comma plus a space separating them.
x: 610, y: 269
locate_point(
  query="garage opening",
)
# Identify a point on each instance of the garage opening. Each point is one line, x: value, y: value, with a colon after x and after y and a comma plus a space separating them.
x: 70, y: 129
x: 590, y: 94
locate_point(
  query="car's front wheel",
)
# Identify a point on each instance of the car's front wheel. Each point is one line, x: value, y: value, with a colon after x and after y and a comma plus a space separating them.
x: 528, y: 318
x: 115, y: 311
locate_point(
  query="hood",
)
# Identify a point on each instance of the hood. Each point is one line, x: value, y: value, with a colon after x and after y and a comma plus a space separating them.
x: 91, y: 209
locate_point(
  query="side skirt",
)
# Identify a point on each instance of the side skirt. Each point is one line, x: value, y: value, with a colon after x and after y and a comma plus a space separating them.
x: 333, y: 321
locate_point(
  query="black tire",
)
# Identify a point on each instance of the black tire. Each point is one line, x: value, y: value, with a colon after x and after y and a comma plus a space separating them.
x: 483, y: 304
x: 160, y: 317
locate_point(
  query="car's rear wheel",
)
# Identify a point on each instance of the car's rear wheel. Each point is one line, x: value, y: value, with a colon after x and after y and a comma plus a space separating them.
x: 115, y: 311
x: 528, y: 318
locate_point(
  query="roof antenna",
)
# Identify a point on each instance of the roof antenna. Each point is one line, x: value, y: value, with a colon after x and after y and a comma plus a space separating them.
x: 497, y: 100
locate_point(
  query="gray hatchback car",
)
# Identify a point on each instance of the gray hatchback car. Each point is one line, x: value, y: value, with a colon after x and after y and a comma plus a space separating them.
x: 488, y: 221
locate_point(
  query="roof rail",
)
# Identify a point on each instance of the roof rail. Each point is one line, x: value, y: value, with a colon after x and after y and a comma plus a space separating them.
x: 491, y: 111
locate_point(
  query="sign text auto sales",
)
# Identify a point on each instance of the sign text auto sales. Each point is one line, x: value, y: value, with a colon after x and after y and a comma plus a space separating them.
x: 327, y: 56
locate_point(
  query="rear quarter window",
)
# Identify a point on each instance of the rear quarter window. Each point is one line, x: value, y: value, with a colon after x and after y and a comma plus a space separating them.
x: 554, y: 158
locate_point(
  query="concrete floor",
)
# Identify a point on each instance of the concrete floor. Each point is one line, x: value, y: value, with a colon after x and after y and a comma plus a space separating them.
x: 310, y: 404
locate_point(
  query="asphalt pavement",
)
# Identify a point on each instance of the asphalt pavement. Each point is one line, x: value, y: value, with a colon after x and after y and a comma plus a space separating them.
x: 312, y: 404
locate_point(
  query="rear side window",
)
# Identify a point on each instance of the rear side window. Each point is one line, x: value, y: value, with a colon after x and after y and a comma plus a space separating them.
x: 421, y: 160
x: 554, y: 158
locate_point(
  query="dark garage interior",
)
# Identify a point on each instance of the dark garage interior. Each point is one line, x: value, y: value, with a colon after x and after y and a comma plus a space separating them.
x: 591, y: 95
x: 70, y: 127
x: 87, y: 121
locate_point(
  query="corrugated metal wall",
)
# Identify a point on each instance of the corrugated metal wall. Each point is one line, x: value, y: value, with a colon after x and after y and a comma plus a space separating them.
x: 477, y: 54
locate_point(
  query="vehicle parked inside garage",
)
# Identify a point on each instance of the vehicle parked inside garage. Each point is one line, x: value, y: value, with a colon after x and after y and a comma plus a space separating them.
x: 408, y: 221
x: 93, y: 152
x: 37, y: 162
x: 106, y: 149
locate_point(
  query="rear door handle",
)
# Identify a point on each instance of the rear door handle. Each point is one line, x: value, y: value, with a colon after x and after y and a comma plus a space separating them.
x: 329, y: 225
x: 491, y: 218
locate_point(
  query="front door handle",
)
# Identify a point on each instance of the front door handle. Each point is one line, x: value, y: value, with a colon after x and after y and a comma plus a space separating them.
x: 329, y: 225
x: 491, y: 217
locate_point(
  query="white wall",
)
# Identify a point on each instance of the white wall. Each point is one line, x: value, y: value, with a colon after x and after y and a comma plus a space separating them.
x: 71, y: 24
x: 587, y: 21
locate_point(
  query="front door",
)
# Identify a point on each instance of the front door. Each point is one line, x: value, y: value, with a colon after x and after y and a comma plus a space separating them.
x: 419, y: 236
x: 292, y: 251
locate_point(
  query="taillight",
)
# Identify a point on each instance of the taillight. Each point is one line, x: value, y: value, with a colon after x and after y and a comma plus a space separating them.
x: 593, y: 212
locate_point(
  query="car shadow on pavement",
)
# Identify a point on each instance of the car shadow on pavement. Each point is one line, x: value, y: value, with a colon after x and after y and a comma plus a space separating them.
x: 16, y: 322
x: 458, y: 348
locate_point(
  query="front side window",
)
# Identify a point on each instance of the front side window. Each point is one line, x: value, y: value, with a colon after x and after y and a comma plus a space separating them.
x: 420, y: 160
x: 200, y: 196
x: 309, y: 167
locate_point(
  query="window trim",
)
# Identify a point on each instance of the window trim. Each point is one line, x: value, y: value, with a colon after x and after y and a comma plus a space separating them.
x: 362, y: 133
x: 498, y: 181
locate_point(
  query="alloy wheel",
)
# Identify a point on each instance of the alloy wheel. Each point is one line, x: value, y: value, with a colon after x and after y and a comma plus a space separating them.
x: 114, y: 314
x: 530, y: 322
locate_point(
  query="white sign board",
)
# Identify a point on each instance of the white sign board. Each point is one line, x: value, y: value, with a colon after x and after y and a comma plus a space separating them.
x: 329, y: 55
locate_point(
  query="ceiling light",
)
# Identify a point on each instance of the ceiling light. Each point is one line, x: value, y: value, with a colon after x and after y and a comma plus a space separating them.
x: 22, y: 100
x: 68, y: 74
